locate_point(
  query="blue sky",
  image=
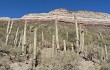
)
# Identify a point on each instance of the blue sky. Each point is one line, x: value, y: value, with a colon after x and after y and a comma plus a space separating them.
x: 18, y: 8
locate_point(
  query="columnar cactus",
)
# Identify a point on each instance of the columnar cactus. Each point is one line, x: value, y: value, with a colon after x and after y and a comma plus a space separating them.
x: 30, y: 48
x: 42, y: 39
x: 67, y: 36
x: 16, y: 37
x: 35, y: 44
x: 9, y: 29
x: 8, y: 26
x: 53, y: 41
x: 64, y: 43
x: 81, y: 38
x: 56, y: 33
x: 77, y: 36
x: 35, y: 48
x: 20, y: 39
x: 24, y: 40
x: 106, y: 55
x: 53, y: 44
x: 72, y: 48
x: 102, y: 54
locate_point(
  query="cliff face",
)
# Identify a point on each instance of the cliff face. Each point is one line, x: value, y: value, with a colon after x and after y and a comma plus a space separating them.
x: 86, y: 17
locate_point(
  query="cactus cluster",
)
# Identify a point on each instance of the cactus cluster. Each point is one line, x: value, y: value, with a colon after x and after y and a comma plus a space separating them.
x: 20, y: 41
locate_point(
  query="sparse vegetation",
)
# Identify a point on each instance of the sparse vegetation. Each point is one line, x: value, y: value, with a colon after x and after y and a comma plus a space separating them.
x: 92, y: 57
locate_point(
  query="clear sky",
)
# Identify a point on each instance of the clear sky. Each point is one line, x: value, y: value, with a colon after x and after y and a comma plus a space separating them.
x: 18, y: 8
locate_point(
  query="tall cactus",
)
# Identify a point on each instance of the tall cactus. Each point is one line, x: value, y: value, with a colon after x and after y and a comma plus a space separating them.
x: 102, y: 54
x: 77, y: 36
x: 42, y: 39
x: 24, y: 40
x: 56, y: 33
x: 20, y: 39
x: 35, y: 43
x: 9, y: 29
x: 53, y: 44
x: 35, y: 48
x: 64, y: 43
x: 81, y: 38
x: 67, y: 36
x: 72, y: 48
x: 8, y: 26
x: 30, y: 48
x: 106, y: 54
x: 16, y: 37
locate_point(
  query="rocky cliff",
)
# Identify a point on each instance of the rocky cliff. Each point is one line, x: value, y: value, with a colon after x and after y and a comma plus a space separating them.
x: 86, y: 17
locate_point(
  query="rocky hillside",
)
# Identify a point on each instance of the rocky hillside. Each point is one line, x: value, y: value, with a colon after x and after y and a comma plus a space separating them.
x: 86, y: 17
x: 68, y: 16
x: 55, y: 45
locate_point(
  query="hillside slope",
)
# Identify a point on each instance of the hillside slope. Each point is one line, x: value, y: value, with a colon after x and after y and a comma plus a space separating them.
x: 69, y: 16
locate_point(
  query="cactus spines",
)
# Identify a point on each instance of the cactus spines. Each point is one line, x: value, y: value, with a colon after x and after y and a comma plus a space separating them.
x: 81, y: 38
x: 56, y: 33
x: 64, y: 43
x: 16, y: 37
x: 24, y: 40
x: 9, y: 31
